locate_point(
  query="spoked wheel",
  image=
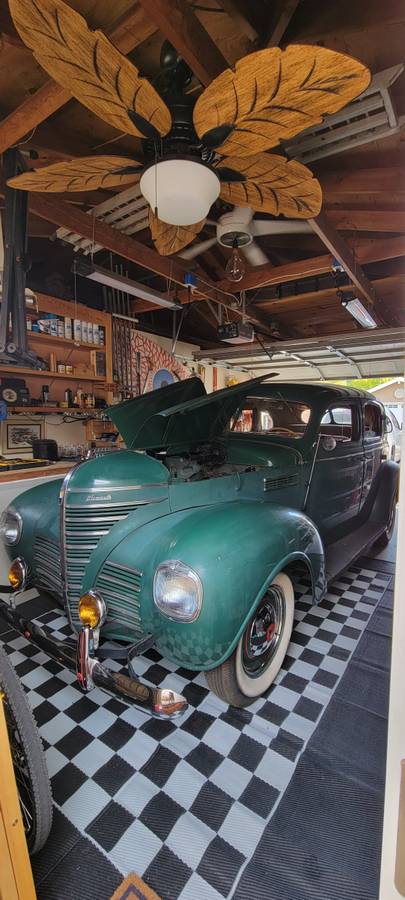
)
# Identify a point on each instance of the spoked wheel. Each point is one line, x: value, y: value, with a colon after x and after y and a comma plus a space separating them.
x: 263, y: 633
x: 257, y: 659
x: 28, y: 758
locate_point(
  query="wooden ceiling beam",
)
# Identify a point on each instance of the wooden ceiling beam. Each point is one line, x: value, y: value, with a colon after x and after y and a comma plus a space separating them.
x: 179, y: 24
x: 364, y: 181
x: 128, y: 32
x: 8, y: 30
x: 66, y: 215
x: 369, y: 251
x: 280, y: 24
x: 318, y: 21
x: 326, y: 231
x: 233, y: 11
x: 312, y: 299
x: 389, y: 220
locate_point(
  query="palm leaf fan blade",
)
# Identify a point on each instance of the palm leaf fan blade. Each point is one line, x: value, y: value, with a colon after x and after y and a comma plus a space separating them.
x: 86, y: 62
x: 273, y: 94
x: 172, y: 238
x: 272, y: 184
x: 84, y: 174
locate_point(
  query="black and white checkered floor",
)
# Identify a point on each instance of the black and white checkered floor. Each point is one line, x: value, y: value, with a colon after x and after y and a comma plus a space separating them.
x: 184, y: 804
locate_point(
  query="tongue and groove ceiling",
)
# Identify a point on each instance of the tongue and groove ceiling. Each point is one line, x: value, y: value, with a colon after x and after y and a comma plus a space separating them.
x: 292, y: 295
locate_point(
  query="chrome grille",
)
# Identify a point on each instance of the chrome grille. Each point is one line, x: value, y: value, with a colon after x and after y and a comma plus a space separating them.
x: 47, y: 565
x: 84, y: 527
x: 120, y: 588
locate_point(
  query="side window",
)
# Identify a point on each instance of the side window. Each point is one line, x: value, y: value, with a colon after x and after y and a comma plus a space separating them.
x: 373, y: 422
x: 341, y: 423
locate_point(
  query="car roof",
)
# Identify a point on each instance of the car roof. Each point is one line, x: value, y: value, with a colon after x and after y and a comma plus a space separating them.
x: 308, y: 391
x: 185, y: 413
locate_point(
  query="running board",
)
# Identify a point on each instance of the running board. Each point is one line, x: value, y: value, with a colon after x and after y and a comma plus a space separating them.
x: 340, y: 554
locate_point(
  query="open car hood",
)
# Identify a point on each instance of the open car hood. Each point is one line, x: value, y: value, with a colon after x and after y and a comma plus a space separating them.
x: 181, y: 413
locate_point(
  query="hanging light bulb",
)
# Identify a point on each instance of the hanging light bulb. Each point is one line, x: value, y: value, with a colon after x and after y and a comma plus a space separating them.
x: 235, y: 267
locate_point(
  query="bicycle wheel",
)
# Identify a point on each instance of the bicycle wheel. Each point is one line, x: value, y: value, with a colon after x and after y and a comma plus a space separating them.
x: 28, y: 757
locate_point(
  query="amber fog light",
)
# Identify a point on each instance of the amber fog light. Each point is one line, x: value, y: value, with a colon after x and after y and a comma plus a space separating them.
x: 17, y: 574
x: 92, y: 609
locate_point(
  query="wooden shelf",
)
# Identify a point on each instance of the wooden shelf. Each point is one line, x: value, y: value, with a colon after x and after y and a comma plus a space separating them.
x: 51, y: 410
x: 45, y: 373
x: 50, y: 339
x: 56, y: 349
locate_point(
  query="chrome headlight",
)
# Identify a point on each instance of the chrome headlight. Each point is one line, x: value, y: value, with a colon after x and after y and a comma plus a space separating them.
x: 11, y: 526
x: 177, y: 591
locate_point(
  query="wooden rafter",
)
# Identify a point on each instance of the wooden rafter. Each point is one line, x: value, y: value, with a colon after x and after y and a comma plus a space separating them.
x: 384, y: 180
x: 389, y: 220
x: 293, y: 303
x: 281, y: 23
x: 326, y: 231
x: 321, y: 225
x: 127, y: 33
x: 233, y: 11
x: 177, y: 21
x: 69, y: 216
x: 369, y: 251
x: 66, y: 214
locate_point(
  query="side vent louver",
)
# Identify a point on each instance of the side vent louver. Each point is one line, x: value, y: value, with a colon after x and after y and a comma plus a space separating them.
x: 274, y: 484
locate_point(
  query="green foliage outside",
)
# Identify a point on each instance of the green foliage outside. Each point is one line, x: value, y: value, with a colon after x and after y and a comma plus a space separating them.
x: 363, y: 384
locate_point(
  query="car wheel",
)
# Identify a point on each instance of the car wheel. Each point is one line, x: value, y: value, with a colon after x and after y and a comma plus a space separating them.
x: 253, y: 666
x: 386, y: 536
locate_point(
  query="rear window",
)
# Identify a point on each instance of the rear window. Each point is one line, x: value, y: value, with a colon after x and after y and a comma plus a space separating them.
x: 373, y: 424
x: 260, y: 415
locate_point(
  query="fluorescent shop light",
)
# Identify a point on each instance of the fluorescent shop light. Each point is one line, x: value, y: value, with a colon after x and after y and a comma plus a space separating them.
x: 119, y: 283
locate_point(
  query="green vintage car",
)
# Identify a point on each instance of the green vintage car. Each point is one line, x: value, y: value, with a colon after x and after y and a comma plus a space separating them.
x: 191, y: 538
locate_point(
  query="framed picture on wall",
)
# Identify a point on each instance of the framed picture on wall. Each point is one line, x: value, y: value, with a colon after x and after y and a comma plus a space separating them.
x: 17, y: 436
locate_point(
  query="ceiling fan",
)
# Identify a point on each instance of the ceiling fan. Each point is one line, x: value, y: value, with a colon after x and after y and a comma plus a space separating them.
x: 194, y: 151
x: 238, y: 227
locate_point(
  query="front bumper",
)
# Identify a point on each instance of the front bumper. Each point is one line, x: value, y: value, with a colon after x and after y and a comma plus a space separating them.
x: 162, y: 703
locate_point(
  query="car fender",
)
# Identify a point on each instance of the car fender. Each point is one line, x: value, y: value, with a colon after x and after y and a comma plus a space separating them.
x: 384, y: 488
x: 38, y: 508
x: 236, y: 549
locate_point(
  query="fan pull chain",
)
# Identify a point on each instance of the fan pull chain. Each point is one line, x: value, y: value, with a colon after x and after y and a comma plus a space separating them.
x: 156, y: 184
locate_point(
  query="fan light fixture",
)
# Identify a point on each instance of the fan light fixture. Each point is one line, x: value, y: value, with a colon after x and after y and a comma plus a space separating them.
x: 359, y: 312
x: 235, y: 267
x: 235, y: 120
x: 181, y: 190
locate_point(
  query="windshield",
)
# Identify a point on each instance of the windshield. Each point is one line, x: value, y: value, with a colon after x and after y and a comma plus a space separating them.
x: 262, y: 415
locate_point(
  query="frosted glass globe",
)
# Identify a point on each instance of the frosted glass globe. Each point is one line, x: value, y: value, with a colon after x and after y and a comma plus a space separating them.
x: 182, y: 190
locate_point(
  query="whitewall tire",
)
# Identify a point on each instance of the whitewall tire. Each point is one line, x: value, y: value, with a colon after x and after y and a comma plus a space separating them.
x: 253, y: 666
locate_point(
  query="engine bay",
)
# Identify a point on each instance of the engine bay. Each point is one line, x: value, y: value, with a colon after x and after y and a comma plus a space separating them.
x: 201, y: 461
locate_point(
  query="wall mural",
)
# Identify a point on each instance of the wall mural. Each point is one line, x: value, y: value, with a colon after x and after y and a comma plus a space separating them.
x: 152, y: 366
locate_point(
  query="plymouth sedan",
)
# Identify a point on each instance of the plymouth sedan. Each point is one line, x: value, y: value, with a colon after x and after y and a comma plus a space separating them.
x: 190, y: 539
